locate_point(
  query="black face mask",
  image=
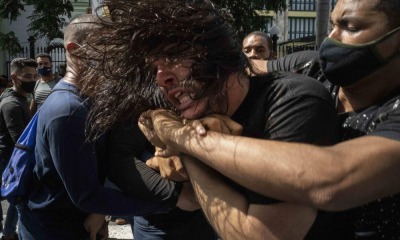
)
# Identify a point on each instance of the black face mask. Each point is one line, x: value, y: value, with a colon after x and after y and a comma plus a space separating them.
x: 28, y: 87
x: 346, y: 64
x: 44, y: 71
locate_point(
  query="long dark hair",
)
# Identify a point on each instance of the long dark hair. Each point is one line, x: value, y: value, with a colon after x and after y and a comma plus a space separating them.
x: 139, y: 31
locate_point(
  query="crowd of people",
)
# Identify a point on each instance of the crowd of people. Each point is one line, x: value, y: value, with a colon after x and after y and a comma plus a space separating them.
x: 201, y: 136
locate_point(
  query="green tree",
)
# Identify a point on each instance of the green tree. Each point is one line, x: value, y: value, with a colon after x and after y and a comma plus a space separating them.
x: 47, y: 19
x: 244, y: 13
x: 49, y: 16
x: 9, y: 42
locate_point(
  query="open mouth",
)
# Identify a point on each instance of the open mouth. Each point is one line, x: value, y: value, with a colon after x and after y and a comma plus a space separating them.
x: 182, y: 98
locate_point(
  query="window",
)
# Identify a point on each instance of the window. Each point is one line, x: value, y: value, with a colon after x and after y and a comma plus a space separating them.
x: 269, y: 22
x: 301, y: 27
x: 302, y: 5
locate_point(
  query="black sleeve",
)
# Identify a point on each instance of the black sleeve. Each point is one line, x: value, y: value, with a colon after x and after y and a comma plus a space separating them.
x: 306, y: 119
x: 292, y: 61
x: 126, y: 143
x: 302, y: 117
x: 14, y: 118
x: 387, y: 122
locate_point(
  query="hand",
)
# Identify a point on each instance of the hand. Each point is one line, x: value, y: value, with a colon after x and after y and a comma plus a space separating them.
x: 170, y: 168
x: 146, y: 126
x: 217, y: 123
x: 96, y: 224
x: 159, y: 126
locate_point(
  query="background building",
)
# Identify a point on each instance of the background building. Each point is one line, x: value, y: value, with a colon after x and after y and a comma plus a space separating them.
x: 296, y: 27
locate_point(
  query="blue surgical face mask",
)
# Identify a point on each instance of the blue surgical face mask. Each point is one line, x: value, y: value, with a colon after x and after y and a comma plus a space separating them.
x: 346, y: 64
x: 44, y: 71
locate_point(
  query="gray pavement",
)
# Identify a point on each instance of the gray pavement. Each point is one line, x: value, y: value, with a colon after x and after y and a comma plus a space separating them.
x: 120, y: 232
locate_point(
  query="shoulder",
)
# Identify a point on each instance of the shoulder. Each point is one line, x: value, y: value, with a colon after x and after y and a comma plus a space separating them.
x: 65, y: 100
x: 10, y: 98
x: 298, y: 85
x: 292, y: 61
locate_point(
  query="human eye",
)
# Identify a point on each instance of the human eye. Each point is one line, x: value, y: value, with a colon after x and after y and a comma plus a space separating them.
x: 353, y: 28
x: 260, y: 49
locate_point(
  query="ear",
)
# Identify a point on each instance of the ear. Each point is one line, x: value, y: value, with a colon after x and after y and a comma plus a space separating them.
x: 72, y: 46
x: 14, y: 78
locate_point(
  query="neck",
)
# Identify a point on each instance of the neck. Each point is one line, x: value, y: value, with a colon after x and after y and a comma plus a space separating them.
x: 237, y: 89
x: 371, y: 89
x: 20, y: 91
x: 71, y: 77
x: 47, y: 78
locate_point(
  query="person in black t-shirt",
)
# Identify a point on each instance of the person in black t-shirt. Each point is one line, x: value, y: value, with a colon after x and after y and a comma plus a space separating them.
x: 360, y: 58
x: 190, y: 47
x: 199, y: 64
x: 14, y: 116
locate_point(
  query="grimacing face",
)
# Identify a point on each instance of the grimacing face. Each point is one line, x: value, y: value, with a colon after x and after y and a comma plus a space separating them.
x: 169, y: 74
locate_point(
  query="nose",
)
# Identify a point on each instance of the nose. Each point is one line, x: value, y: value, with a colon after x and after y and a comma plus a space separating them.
x: 335, y: 34
x: 164, y: 76
x: 252, y: 54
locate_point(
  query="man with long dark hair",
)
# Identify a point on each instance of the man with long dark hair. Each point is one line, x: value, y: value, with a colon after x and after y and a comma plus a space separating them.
x: 191, y: 50
x: 360, y: 58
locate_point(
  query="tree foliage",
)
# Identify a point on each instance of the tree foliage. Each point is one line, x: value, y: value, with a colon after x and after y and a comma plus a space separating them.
x: 47, y: 19
x: 49, y: 16
x: 9, y: 42
x: 10, y: 9
x: 246, y: 18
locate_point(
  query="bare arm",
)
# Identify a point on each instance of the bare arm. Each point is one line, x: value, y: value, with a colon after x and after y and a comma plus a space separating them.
x: 330, y: 178
x: 234, y: 217
x: 33, y: 106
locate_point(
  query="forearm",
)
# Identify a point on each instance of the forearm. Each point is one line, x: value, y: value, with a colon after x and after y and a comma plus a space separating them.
x: 32, y: 106
x: 327, y: 178
x: 234, y: 217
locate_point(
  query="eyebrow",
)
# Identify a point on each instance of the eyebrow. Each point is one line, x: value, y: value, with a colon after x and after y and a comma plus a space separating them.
x: 254, y: 46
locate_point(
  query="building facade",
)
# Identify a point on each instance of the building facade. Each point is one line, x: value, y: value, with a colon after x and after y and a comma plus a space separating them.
x: 297, y: 24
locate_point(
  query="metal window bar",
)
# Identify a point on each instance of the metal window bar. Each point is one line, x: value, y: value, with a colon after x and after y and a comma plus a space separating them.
x: 301, y: 27
x: 302, y: 5
x: 57, y: 54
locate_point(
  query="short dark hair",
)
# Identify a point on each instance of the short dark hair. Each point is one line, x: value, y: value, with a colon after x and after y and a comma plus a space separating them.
x: 392, y: 10
x: 44, y: 55
x: 263, y: 35
x: 19, y: 63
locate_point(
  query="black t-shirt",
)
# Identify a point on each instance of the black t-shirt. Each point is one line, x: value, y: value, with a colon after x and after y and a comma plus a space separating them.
x: 379, y: 219
x: 292, y: 108
x: 126, y: 166
x: 14, y: 116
